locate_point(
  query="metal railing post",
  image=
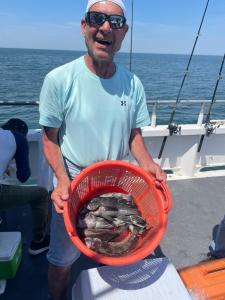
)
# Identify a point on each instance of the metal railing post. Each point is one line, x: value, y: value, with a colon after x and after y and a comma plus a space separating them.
x: 153, y: 118
x: 201, y: 114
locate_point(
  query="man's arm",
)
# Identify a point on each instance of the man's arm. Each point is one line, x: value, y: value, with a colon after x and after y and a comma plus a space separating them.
x: 54, y: 157
x: 142, y: 156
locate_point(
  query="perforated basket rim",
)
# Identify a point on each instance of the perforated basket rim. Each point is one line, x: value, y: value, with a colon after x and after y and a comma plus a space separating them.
x: 111, y: 163
x: 129, y: 258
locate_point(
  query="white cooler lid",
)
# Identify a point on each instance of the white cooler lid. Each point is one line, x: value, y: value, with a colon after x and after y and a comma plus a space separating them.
x: 147, y: 279
x: 8, y: 244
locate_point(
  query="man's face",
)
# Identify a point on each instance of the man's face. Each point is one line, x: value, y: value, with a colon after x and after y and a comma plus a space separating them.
x: 103, y: 41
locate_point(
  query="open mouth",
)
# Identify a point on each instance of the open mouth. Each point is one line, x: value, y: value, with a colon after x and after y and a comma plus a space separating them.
x: 103, y: 42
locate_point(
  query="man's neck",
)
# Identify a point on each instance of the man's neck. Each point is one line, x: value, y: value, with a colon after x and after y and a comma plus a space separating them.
x: 103, y: 69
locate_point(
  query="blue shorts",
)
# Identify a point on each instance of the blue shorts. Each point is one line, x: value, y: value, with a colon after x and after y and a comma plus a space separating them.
x: 62, y: 252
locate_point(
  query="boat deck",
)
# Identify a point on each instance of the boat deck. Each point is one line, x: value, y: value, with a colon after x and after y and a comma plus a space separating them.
x: 198, y: 207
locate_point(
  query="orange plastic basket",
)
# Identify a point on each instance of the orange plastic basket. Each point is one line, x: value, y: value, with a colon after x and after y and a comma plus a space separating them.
x: 152, y: 202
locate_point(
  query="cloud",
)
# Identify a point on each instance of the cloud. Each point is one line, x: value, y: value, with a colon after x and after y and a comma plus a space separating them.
x: 156, y: 28
x: 43, y: 35
x: 6, y: 14
x: 67, y: 25
x: 73, y: 24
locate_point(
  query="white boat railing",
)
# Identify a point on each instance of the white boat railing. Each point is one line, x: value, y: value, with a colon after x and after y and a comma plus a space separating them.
x: 201, y: 103
x: 153, y: 103
x: 180, y: 157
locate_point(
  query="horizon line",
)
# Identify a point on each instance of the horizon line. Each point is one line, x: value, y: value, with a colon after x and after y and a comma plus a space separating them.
x: 121, y: 52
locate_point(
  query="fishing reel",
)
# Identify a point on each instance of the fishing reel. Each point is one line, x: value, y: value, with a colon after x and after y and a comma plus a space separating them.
x: 174, y: 128
x: 209, y: 128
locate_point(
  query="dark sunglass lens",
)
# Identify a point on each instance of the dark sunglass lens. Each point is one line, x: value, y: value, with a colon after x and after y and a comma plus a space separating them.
x: 96, y: 18
x: 117, y: 21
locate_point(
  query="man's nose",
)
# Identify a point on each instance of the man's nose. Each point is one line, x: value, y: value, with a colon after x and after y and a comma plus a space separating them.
x: 106, y: 26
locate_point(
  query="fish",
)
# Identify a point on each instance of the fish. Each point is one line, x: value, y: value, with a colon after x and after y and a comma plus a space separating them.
x: 90, y: 221
x: 109, y: 200
x: 112, y: 248
x: 130, y: 220
x: 103, y: 211
x: 104, y: 234
x: 138, y: 221
x: 110, y: 224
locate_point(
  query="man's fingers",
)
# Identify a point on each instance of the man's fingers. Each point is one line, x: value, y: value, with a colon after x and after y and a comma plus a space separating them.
x: 59, y: 201
x: 164, y: 176
x: 160, y: 174
x: 58, y: 209
x: 65, y: 197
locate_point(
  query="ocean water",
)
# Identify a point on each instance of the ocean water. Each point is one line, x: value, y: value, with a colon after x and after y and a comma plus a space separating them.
x: 23, y: 71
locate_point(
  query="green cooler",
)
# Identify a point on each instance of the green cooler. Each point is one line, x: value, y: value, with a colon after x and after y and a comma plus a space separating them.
x: 10, y: 254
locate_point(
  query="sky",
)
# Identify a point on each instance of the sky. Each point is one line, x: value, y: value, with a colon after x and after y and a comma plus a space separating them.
x: 160, y: 26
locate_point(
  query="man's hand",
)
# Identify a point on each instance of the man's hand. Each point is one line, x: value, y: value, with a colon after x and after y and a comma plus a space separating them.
x: 154, y: 169
x: 143, y: 157
x: 61, y: 194
x: 54, y: 157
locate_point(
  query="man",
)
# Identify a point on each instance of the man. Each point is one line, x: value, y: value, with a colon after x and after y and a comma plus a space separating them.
x: 91, y: 110
x: 14, y: 145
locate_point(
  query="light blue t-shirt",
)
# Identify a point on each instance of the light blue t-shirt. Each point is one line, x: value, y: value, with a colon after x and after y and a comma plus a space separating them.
x: 95, y: 115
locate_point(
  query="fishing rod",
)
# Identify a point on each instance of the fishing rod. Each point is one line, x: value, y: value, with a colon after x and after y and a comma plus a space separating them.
x: 131, y: 33
x: 173, y: 127
x: 208, y: 126
x: 18, y: 103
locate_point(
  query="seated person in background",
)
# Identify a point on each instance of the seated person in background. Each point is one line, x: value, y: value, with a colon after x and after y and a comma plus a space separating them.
x: 14, y: 145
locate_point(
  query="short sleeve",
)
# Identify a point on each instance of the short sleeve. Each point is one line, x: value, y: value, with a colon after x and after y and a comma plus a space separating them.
x: 141, y: 118
x: 50, y: 107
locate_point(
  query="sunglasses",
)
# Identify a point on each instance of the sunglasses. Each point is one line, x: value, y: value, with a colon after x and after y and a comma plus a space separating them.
x: 95, y: 19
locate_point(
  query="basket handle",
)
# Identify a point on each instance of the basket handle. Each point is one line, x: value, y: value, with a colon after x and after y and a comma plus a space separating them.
x: 167, y: 196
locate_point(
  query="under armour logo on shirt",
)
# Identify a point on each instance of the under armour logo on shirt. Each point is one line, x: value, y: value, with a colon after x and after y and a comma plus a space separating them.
x: 123, y: 103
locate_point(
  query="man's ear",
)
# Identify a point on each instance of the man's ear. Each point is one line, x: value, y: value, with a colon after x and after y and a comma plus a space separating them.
x: 83, y: 26
x: 126, y: 28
